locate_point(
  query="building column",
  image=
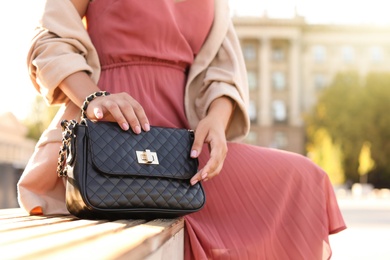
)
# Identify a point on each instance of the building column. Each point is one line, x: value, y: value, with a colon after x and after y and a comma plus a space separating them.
x: 295, y: 117
x: 264, y: 109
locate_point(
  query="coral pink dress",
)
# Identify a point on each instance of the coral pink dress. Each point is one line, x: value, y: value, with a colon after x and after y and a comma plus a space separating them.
x: 265, y: 204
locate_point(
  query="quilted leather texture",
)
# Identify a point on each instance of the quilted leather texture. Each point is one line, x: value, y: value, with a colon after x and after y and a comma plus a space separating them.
x: 112, y: 178
x: 113, y: 151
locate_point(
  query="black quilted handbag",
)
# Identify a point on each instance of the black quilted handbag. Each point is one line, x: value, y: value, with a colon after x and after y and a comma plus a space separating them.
x: 114, y: 174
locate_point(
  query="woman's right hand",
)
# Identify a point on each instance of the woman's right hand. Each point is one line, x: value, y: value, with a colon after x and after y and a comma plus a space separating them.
x: 120, y: 108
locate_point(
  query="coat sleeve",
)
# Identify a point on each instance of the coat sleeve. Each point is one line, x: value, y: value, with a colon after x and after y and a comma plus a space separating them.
x: 61, y: 47
x: 226, y: 76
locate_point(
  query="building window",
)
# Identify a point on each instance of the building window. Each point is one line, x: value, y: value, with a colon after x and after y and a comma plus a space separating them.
x: 319, y: 53
x: 278, y: 80
x: 249, y: 51
x: 348, y: 54
x: 278, y: 54
x: 376, y: 54
x: 252, y: 80
x: 252, y: 111
x: 279, y: 140
x: 279, y: 111
x: 319, y: 81
x: 251, y: 138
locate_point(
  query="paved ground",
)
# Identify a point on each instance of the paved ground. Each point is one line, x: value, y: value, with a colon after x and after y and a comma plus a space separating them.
x: 368, y: 233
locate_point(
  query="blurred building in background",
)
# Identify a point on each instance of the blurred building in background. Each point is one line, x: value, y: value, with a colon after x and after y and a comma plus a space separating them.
x: 289, y: 62
x: 15, y: 151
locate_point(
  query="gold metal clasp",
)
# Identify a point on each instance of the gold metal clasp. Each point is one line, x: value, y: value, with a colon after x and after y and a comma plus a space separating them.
x: 147, y: 157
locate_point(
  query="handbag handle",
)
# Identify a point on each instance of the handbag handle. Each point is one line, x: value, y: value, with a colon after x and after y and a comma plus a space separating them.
x: 88, y: 100
x: 67, y: 132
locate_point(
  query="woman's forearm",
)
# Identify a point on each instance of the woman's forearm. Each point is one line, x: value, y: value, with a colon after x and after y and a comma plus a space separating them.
x: 221, y: 110
x: 77, y: 87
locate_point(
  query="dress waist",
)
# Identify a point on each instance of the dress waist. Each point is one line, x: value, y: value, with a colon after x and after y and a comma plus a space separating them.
x: 140, y: 61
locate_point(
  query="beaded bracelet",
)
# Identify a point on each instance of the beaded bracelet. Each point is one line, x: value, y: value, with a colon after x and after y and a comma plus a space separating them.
x: 88, y: 100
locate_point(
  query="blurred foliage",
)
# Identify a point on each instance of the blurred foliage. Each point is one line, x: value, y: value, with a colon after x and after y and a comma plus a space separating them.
x: 366, y: 163
x: 354, y: 111
x: 324, y: 152
x: 39, y: 117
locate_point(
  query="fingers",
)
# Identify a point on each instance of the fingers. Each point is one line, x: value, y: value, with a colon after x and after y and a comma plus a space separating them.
x: 213, y: 167
x: 121, y: 108
x: 200, y: 176
x: 200, y: 136
x: 218, y: 150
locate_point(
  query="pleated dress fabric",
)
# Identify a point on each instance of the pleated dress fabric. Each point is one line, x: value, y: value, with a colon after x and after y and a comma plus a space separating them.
x: 265, y: 203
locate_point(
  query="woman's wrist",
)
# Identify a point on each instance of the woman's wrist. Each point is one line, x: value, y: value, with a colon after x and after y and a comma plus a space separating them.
x: 221, y: 109
x: 77, y: 87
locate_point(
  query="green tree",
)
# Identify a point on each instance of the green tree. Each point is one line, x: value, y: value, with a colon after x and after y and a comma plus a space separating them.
x: 39, y: 117
x: 337, y: 111
x: 354, y: 111
x: 377, y: 125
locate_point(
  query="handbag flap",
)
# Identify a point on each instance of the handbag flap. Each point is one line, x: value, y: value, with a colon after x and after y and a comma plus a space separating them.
x: 161, y: 152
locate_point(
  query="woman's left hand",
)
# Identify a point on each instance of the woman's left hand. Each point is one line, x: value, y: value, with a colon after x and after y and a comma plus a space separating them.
x: 210, y: 130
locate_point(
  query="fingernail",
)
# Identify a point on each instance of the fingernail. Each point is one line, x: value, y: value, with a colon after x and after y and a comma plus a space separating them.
x: 98, y: 115
x: 137, y: 129
x: 194, y: 153
x: 146, y: 127
x: 193, y: 182
x: 125, y: 126
x: 204, y: 175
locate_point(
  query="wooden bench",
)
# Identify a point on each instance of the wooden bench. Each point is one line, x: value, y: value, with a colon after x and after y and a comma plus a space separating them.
x: 66, y: 237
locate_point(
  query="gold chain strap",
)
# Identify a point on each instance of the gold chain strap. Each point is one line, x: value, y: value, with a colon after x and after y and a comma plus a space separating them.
x: 67, y: 133
x: 88, y: 100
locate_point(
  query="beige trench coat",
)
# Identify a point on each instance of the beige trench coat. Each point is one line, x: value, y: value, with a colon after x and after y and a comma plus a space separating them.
x: 62, y: 47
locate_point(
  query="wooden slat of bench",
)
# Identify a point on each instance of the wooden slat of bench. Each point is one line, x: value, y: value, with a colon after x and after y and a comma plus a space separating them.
x: 172, y: 249
x: 102, y: 241
x: 131, y: 243
x: 32, y: 222
x: 7, y: 221
x: 33, y: 248
x: 53, y: 237
x: 34, y: 232
x: 172, y: 233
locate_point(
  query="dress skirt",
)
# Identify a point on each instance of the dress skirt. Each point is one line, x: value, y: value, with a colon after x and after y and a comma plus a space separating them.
x: 265, y: 203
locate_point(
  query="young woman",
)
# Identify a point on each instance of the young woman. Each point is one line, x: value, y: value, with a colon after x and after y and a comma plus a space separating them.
x: 178, y: 63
